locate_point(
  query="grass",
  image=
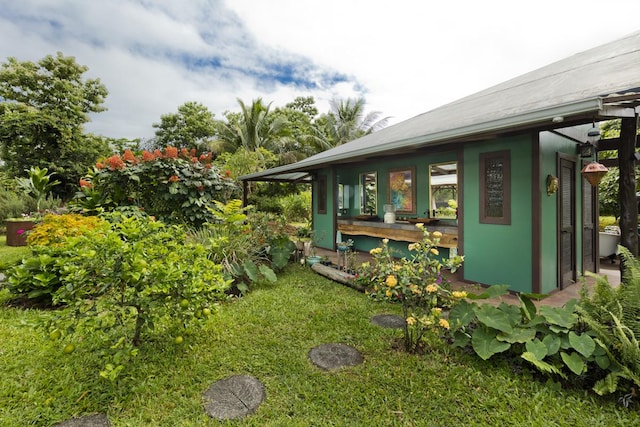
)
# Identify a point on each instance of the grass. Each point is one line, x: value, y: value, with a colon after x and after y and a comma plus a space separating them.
x: 10, y: 255
x: 268, y: 334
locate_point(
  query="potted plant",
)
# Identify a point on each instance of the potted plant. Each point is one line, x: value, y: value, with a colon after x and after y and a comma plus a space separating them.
x: 37, y: 185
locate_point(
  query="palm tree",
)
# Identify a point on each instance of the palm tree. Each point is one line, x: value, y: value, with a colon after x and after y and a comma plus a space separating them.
x: 254, y: 128
x: 347, y: 121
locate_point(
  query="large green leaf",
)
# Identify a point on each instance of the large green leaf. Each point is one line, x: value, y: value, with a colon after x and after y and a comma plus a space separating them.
x: 460, y: 339
x: 268, y: 273
x: 493, y: 317
x: 485, y: 344
x: 574, y: 362
x: 491, y: 292
x: 520, y: 335
x: 527, y: 307
x: 552, y: 342
x: 583, y: 343
x: 251, y: 270
x: 537, y: 349
x: 560, y: 316
x: 461, y: 314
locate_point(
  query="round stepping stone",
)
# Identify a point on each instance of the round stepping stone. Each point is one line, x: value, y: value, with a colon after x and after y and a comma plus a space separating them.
x: 334, y: 356
x: 233, y: 397
x: 388, y: 321
x: 97, y: 420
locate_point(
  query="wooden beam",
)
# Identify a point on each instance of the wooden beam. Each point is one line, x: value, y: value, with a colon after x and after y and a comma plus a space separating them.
x: 447, y: 240
x: 628, y: 200
x: 613, y: 144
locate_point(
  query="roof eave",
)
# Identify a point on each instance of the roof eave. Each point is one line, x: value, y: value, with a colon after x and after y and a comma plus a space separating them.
x: 529, y: 119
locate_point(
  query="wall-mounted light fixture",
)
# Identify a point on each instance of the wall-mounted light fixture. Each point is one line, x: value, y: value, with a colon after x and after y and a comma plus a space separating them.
x: 552, y: 184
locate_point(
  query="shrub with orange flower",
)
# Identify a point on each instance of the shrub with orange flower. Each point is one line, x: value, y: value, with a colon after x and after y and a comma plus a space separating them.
x: 115, y: 162
x: 128, y: 156
x: 85, y: 184
x: 147, y: 156
x: 171, y: 152
x: 174, y: 178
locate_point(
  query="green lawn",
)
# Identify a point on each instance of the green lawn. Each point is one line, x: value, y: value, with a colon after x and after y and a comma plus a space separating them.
x: 268, y: 334
x: 10, y: 255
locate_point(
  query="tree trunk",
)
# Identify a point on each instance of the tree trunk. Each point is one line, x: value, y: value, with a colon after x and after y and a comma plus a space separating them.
x: 628, y: 200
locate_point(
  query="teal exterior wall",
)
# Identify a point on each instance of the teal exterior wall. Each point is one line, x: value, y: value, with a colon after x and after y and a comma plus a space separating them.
x: 324, y: 224
x: 499, y: 254
x: 550, y: 145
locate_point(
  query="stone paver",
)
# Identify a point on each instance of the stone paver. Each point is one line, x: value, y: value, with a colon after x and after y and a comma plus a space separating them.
x: 335, y: 356
x: 97, y: 420
x: 392, y: 321
x: 233, y: 397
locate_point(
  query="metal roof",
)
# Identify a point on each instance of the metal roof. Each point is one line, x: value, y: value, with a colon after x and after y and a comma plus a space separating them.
x: 599, y: 83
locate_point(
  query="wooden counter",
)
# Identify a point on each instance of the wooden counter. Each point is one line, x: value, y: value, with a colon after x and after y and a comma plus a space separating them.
x: 399, y: 232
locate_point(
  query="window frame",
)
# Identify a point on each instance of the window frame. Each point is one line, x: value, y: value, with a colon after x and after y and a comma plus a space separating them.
x: 505, y: 156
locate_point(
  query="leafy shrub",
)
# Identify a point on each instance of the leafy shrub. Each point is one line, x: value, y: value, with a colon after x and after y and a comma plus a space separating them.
x: 175, y: 187
x: 417, y: 283
x: 605, y: 221
x: 56, y: 229
x: 297, y: 207
x: 551, y: 339
x: 238, y: 245
x: 613, y: 315
x: 13, y: 204
x: 117, y: 283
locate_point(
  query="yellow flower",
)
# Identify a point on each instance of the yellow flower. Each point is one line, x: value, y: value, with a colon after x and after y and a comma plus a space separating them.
x: 437, y: 234
x: 391, y: 281
x: 375, y: 251
x: 436, y: 310
x: 444, y: 323
x: 385, y: 241
x: 432, y: 288
x: 388, y: 293
x: 414, y: 246
x: 411, y: 321
x: 434, y: 251
x: 420, y: 225
x: 397, y: 267
x: 459, y: 294
x: 415, y: 289
x: 365, y: 265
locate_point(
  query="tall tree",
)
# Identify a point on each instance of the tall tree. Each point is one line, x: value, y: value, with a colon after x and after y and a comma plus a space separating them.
x: 43, y: 109
x: 347, y: 121
x: 193, y: 126
x: 255, y: 127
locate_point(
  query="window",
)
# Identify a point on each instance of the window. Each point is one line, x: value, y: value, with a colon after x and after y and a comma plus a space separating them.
x: 369, y: 193
x: 495, y: 188
x: 322, y: 194
x: 443, y: 181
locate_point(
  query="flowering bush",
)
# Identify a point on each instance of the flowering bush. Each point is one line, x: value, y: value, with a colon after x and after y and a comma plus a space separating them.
x: 418, y: 283
x: 174, y: 186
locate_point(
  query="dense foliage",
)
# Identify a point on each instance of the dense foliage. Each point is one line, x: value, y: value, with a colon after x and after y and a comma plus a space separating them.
x: 172, y: 185
x: 119, y: 280
x: 43, y: 109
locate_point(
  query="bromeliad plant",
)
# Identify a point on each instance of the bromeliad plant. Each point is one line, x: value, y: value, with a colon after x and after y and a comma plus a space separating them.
x: 418, y: 283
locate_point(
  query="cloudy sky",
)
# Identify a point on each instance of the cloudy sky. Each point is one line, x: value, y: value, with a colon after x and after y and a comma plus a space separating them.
x: 404, y: 57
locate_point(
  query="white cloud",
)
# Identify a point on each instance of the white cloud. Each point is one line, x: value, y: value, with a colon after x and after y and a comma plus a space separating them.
x: 405, y: 57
